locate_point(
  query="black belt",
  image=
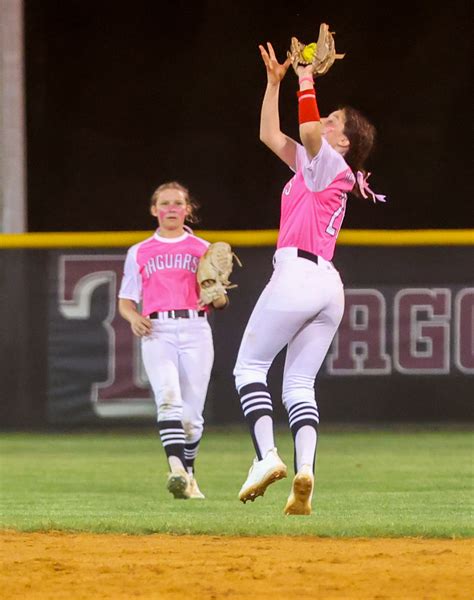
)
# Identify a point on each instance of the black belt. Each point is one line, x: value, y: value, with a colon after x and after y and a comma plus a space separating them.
x: 177, y: 314
x: 308, y: 255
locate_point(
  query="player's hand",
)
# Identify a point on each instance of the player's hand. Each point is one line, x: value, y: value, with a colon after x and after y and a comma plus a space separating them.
x: 141, y: 326
x: 304, y: 71
x: 275, y: 70
x: 220, y: 301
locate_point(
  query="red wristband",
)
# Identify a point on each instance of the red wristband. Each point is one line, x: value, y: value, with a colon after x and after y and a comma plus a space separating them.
x: 307, y: 107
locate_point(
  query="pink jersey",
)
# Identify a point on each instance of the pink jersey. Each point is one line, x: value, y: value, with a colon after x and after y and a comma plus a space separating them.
x: 161, y: 273
x: 313, y: 202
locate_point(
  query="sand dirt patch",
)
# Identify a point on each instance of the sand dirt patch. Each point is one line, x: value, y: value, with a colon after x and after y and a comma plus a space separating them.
x: 166, y: 567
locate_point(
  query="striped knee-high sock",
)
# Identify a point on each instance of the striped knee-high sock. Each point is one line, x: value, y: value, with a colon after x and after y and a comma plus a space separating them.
x: 190, y: 453
x: 257, y: 403
x: 304, y: 422
x: 172, y: 437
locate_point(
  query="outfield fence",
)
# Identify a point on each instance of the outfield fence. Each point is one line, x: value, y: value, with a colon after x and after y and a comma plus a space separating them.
x: 404, y: 350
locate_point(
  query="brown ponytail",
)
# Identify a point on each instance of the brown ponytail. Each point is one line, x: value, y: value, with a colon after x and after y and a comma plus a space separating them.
x: 361, y: 135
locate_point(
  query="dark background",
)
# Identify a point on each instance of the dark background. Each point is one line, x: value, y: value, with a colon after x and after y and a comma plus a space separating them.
x: 124, y: 96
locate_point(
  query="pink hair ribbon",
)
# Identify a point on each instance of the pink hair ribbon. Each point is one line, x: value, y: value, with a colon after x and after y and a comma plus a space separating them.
x: 365, y: 189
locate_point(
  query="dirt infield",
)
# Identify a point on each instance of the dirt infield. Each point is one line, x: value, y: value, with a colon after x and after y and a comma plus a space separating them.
x: 86, y: 566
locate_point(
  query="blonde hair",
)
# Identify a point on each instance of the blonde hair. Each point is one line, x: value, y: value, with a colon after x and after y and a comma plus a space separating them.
x: 175, y: 185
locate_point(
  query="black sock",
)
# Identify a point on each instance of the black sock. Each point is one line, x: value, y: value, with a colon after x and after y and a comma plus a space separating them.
x: 300, y: 415
x: 256, y: 403
x: 190, y: 453
x: 172, y: 437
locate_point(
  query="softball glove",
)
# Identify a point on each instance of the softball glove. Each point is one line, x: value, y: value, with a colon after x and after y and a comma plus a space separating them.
x: 320, y: 55
x: 214, y: 269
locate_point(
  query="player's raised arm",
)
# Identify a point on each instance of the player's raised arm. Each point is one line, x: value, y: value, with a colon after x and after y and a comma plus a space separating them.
x: 308, y: 113
x: 270, y: 133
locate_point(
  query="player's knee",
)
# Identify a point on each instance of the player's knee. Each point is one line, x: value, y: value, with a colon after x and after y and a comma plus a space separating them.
x: 169, y: 404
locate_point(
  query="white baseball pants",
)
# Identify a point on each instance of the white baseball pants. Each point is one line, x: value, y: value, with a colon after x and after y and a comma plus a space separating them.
x: 301, y: 307
x: 178, y: 356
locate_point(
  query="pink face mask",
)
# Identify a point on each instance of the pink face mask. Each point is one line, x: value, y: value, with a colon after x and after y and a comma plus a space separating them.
x: 178, y: 210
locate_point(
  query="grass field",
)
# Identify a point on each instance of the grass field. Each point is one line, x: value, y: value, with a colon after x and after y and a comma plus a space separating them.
x: 369, y: 483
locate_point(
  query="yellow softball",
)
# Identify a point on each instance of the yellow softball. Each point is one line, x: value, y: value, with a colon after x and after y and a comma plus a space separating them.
x: 308, y: 52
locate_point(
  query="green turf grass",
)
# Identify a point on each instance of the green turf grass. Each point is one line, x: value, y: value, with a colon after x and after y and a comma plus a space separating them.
x: 369, y: 483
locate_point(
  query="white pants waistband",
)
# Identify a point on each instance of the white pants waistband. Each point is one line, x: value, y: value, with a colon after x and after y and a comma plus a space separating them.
x: 291, y: 253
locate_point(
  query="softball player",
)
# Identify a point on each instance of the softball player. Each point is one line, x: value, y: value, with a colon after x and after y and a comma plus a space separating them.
x: 302, y: 305
x: 177, y: 346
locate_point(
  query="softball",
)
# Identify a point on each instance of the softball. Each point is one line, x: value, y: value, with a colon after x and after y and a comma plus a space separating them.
x: 308, y: 52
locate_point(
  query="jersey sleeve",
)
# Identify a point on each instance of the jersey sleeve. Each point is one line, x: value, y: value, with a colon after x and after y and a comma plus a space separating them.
x: 131, y: 287
x: 323, y: 169
x: 203, y: 245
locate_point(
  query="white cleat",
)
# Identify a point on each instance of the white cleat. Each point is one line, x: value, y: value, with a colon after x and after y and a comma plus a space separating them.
x: 299, y: 501
x: 179, y: 484
x: 194, y: 491
x: 262, y: 473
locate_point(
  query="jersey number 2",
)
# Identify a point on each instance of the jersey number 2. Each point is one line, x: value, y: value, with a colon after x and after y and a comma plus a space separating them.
x: 330, y: 228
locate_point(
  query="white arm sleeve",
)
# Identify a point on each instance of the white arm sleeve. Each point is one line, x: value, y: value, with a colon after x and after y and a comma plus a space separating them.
x: 131, y: 287
x: 319, y: 172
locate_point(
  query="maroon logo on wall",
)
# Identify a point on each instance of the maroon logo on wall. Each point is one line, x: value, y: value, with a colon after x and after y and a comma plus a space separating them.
x: 464, y: 330
x: 360, y: 344
x: 420, y: 331
x: 125, y: 391
x: 426, y: 337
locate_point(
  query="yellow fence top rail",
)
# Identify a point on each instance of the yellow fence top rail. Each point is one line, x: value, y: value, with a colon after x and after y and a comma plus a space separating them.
x: 258, y: 237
